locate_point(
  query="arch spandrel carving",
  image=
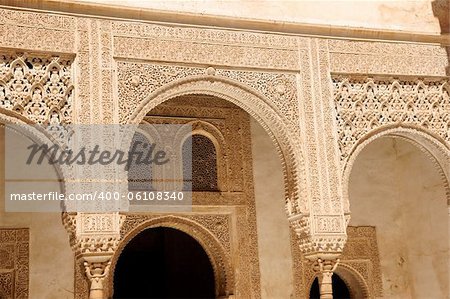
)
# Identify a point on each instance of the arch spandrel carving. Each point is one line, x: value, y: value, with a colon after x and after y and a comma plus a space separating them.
x: 367, y: 104
x: 282, y: 131
x: 410, y: 108
x: 37, y: 87
x: 95, y: 42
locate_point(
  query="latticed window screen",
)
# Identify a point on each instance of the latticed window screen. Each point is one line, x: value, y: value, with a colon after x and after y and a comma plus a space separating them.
x: 203, y: 173
x: 140, y: 175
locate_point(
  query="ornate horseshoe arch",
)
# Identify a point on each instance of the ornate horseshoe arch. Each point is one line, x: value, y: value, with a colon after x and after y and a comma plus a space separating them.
x: 254, y: 103
x: 220, y: 261
x: 433, y: 146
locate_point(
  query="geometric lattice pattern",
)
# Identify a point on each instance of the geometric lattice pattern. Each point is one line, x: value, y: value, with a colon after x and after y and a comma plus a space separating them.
x: 204, y: 163
x: 140, y: 174
x: 39, y: 88
x: 361, y: 255
x: 366, y: 104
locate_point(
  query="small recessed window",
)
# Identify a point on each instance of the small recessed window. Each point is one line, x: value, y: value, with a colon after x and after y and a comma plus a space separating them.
x: 202, y: 173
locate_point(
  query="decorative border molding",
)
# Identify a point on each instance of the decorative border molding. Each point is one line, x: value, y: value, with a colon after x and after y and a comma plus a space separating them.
x: 139, y: 93
x: 390, y: 58
x: 37, y: 31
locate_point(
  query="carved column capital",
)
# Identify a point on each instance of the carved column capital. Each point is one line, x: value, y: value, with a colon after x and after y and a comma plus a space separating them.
x: 94, y: 238
x: 320, y: 236
x: 325, y: 266
x: 96, y: 268
x: 95, y: 252
x: 324, y: 270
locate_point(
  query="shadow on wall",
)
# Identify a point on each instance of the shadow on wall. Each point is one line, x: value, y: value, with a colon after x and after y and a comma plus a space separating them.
x: 441, y: 10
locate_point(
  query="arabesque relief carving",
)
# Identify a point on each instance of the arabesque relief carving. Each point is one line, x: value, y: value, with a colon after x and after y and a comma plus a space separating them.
x: 14, y: 263
x: 359, y: 265
x: 67, y: 69
x: 366, y: 104
x: 138, y: 80
x: 37, y: 87
x: 223, y: 221
x: 367, y: 57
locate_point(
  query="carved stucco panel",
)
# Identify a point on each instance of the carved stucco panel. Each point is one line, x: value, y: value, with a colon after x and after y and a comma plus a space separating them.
x: 329, y: 136
x: 317, y: 132
x: 83, y: 78
x: 138, y: 80
x: 387, y: 58
x: 308, y: 129
x: 14, y: 262
x: 279, y: 87
x: 37, y: 86
x: 108, y: 107
x: 37, y: 31
x: 367, y: 104
x: 204, y: 46
x: 201, y: 53
x: 359, y: 265
x: 216, y: 36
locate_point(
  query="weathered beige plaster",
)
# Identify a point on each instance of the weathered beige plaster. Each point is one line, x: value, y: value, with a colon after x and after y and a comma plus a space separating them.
x: 51, y: 269
x: 274, y: 245
x: 397, y: 188
x: 389, y: 15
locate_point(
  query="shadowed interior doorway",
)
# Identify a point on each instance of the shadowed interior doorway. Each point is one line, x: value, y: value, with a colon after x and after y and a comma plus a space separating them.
x: 340, y: 289
x: 163, y: 263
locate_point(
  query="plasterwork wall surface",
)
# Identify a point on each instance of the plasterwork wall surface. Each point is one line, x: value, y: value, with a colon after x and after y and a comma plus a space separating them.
x: 88, y: 70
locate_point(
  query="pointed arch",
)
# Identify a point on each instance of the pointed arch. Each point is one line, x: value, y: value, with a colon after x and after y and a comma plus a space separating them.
x: 370, y: 85
x: 21, y: 62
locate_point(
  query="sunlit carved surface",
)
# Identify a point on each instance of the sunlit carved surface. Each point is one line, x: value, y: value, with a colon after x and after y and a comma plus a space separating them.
x: 320, y: 99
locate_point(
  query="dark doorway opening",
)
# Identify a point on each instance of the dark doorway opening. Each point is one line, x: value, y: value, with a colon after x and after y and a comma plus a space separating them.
x: 163, y: 263
x: 340, y: 289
